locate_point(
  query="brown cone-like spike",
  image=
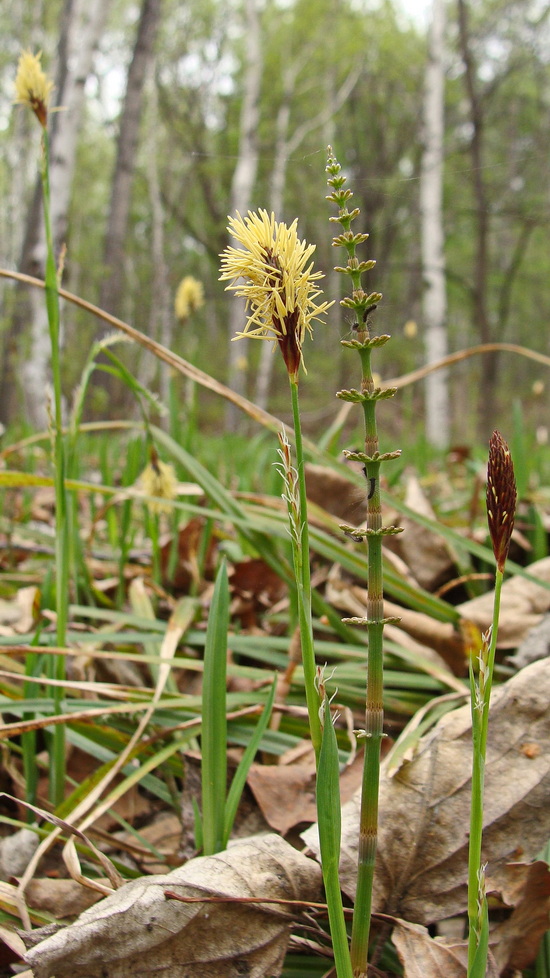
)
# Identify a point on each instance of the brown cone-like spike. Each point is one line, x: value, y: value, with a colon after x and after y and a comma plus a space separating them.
x: 501, y: 497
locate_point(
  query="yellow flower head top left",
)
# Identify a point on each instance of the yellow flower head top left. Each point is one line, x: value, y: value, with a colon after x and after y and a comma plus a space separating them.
x: 272, y: 272
x: 32, y: 87
x: 159, y: 479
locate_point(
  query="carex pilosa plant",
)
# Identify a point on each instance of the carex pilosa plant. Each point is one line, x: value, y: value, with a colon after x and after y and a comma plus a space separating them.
x: 34, y: 89
x: 501, y: 507
x: 273, y: 273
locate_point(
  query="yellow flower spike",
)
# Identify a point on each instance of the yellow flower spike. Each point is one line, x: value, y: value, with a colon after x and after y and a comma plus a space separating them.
x: 270, y: 272
x: 32, y: 87
x: 189, y: 297
x: 159, y: 479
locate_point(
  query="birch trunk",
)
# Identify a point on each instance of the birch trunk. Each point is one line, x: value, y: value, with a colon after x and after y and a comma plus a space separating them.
x: 481, y: 261
x: 119, y: 210
x: 285, y: 147
x: 161, y: 299
x: 242, y: 187
x: 437, y: 421
x: 82, y: 26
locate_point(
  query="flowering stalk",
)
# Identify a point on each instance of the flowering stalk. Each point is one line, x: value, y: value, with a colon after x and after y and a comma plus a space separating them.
x: 272, y: 272
x: 363, y: 305
x: 501, y: 507
x: 33, y: 89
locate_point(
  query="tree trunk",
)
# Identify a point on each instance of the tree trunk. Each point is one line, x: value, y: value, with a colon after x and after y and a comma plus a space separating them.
x: 242, y: 187
x: 285, y: 147
x: 481, y: 260
x: 113, y: 257
x: 81, y: 27
x: 162, y: 302
x: 116, y: 271
x: 437, y: 421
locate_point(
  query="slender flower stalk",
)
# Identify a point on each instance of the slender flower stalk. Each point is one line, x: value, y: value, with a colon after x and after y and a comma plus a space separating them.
x: 272, y: 271
x: 501, y: 507
x: 363, y: 305
x: 32, y: 88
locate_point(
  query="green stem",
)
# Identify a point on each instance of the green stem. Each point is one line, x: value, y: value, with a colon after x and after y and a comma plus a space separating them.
x: 481, y: 695
x: 154, y: 535
x: 303, y: 583
x: 57, y: 759
x: 330, y: 825
x: 374, y: 714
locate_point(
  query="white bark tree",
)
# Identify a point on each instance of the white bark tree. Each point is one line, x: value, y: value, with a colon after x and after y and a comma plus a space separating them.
x: 242, y: 186
x: 286, y: 145
x: 162, y: 316
x: 112, y: 288
x: 434, y: 305
x: 82, y: 28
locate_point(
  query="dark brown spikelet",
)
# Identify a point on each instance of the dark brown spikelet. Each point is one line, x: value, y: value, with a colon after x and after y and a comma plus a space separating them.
x: 501, y: 497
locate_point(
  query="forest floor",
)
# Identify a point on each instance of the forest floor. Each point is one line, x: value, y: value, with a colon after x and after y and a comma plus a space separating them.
x: 133, y: 711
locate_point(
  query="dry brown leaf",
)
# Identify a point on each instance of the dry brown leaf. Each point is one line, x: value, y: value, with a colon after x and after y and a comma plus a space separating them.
x: 254, y: 587
x: 285, y: 794
x: 16, y: 850
x: 439, y: 636
x: 514, y: 944
x: 335, y: 494
x: 138, y: 933
x: 61, y: 898
x: 18, y: 615
x: 523, y: 604
x: 517, y: 939
x: 421, y: 872
x: 423, y: 956
x: 425, y: 552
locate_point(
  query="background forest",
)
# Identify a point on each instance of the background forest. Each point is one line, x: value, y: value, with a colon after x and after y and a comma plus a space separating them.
x: 177, y: 114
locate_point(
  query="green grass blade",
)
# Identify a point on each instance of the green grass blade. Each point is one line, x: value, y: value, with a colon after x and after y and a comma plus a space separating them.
x: 222, y: 498
x: 241, y: 774
x: 214, y: 725
x: 330, y: 824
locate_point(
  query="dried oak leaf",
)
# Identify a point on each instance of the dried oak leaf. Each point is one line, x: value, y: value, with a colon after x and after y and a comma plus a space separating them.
x: 517, y: 939
x: 421, y: 870
x: 523, y: 604
x: 423, y: 956
x: 61, y: 897
x: 513, y: 944
x: 426, y: 553
x: 138, y: 932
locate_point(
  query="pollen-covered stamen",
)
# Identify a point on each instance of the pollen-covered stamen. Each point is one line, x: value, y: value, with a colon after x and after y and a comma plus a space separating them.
x: 273, y: 273
x: 32, y: 87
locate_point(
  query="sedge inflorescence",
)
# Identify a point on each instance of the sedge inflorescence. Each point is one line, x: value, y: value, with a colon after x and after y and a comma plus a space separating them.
x: 189, y: 297
x: 159, y: 479
x: 273, y: 273
x: 32, y: 87
x: 501, y: 497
